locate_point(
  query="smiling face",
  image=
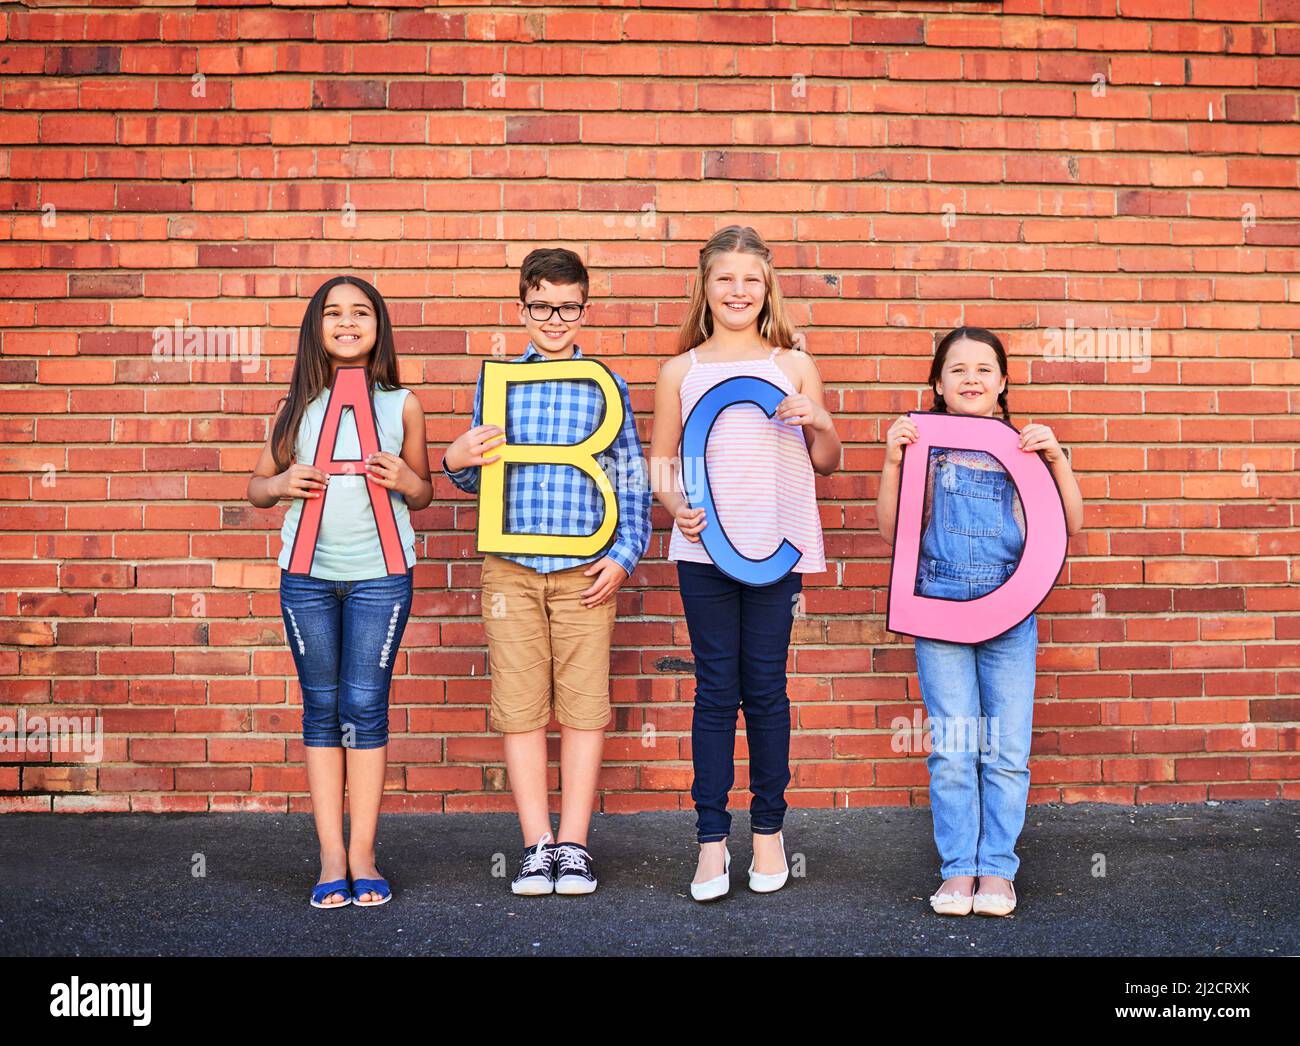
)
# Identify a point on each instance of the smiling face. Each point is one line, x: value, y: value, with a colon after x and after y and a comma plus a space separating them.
x: 349, y: 325
x: 971, y: 379
x: 554, y: 337
x: 736, y: 289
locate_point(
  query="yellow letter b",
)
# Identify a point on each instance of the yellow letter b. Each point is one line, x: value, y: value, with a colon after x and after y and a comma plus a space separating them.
x: 498, y: 376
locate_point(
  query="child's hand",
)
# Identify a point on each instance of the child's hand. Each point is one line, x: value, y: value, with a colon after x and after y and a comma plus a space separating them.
x: 690, y: 521
x: 300, y: 481
x: 468, y: 450
x: 390, y: 471
x: 609, y: 578
x: 1040, y: 437
x: 798, y: 409
x: 901, y: 432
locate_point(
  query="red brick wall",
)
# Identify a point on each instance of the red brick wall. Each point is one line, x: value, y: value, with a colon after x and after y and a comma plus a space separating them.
x: 915, y: 165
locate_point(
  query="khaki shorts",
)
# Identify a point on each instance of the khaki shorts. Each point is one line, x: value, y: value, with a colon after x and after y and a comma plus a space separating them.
x: 543, y: 644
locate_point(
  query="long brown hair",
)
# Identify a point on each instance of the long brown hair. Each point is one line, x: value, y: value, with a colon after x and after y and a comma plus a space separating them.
x: 774, y: 325
x: 311, y: 367
x: 972, y: 334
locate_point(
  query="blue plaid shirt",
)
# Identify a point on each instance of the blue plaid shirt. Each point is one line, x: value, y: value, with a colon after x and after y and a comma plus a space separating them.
x: 559, y: 499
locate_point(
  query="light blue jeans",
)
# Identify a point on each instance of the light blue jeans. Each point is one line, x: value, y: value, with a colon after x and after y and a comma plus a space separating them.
x: 980, y: 700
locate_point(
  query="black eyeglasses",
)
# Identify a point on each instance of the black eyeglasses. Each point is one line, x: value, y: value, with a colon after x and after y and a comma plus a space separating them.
x: 540, y: 311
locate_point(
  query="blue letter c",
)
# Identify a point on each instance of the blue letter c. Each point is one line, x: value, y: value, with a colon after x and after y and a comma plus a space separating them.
x: 695, y: 440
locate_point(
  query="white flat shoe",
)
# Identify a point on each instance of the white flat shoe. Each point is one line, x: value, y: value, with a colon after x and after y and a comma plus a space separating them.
x: 769, y: 882
x: 952, y: 903
x: 994, y: 904
x: 719, y: 885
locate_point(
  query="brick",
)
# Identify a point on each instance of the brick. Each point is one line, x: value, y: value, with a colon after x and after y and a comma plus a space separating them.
x: 141, y: 585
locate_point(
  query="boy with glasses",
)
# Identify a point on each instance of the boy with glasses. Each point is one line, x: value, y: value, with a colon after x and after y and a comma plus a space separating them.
x: 549, y: 619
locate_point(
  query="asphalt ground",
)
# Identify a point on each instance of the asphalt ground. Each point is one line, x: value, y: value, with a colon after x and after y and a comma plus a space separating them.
x: 1190, y: 880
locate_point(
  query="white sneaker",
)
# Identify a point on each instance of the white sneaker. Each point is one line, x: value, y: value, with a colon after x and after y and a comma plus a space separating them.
x: 535, y: 869
x: 712, y: 889
x: 769, y: 882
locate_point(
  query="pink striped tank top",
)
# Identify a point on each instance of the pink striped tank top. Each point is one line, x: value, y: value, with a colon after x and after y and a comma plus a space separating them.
x: 759, y: 472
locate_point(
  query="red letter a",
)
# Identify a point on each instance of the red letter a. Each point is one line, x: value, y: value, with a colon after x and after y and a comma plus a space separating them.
x: 349, y: 390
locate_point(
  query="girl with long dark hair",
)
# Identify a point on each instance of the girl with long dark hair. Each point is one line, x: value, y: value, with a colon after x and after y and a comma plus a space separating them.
x: 345, y: 618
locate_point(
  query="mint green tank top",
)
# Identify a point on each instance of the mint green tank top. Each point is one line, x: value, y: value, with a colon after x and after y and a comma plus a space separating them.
x: 348, y: 548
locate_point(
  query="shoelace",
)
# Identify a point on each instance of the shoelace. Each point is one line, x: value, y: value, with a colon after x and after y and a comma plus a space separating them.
x: 572, y: 858
x: 538, y: 860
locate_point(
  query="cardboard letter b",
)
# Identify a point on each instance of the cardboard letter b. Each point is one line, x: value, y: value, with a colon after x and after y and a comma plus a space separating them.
x: 498, y: 376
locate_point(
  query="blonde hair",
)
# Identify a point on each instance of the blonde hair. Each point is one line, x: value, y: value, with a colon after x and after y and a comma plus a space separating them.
x: 774, y: 325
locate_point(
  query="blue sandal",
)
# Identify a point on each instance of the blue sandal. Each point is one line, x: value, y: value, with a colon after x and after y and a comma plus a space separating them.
x: 322, y: 890
x: 379, y: 886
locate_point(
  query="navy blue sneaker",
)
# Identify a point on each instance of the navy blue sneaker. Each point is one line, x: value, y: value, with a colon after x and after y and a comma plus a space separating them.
x: 573, y: 872
x: 536, y: 869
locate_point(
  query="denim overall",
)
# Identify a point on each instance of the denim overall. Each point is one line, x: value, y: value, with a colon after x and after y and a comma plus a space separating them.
x: 979, y: 696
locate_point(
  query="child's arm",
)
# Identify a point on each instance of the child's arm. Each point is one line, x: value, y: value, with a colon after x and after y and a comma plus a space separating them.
x: 266, y: 486
x: 665, y: 442
x: 632, y: 535
x: 409, y: 473
x: 465, y: 457
x: 901, y: 432
x: 807, y: 408
x: 1034, y: 438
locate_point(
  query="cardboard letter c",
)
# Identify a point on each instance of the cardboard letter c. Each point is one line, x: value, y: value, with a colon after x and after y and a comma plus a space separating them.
x: 695, y: 475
